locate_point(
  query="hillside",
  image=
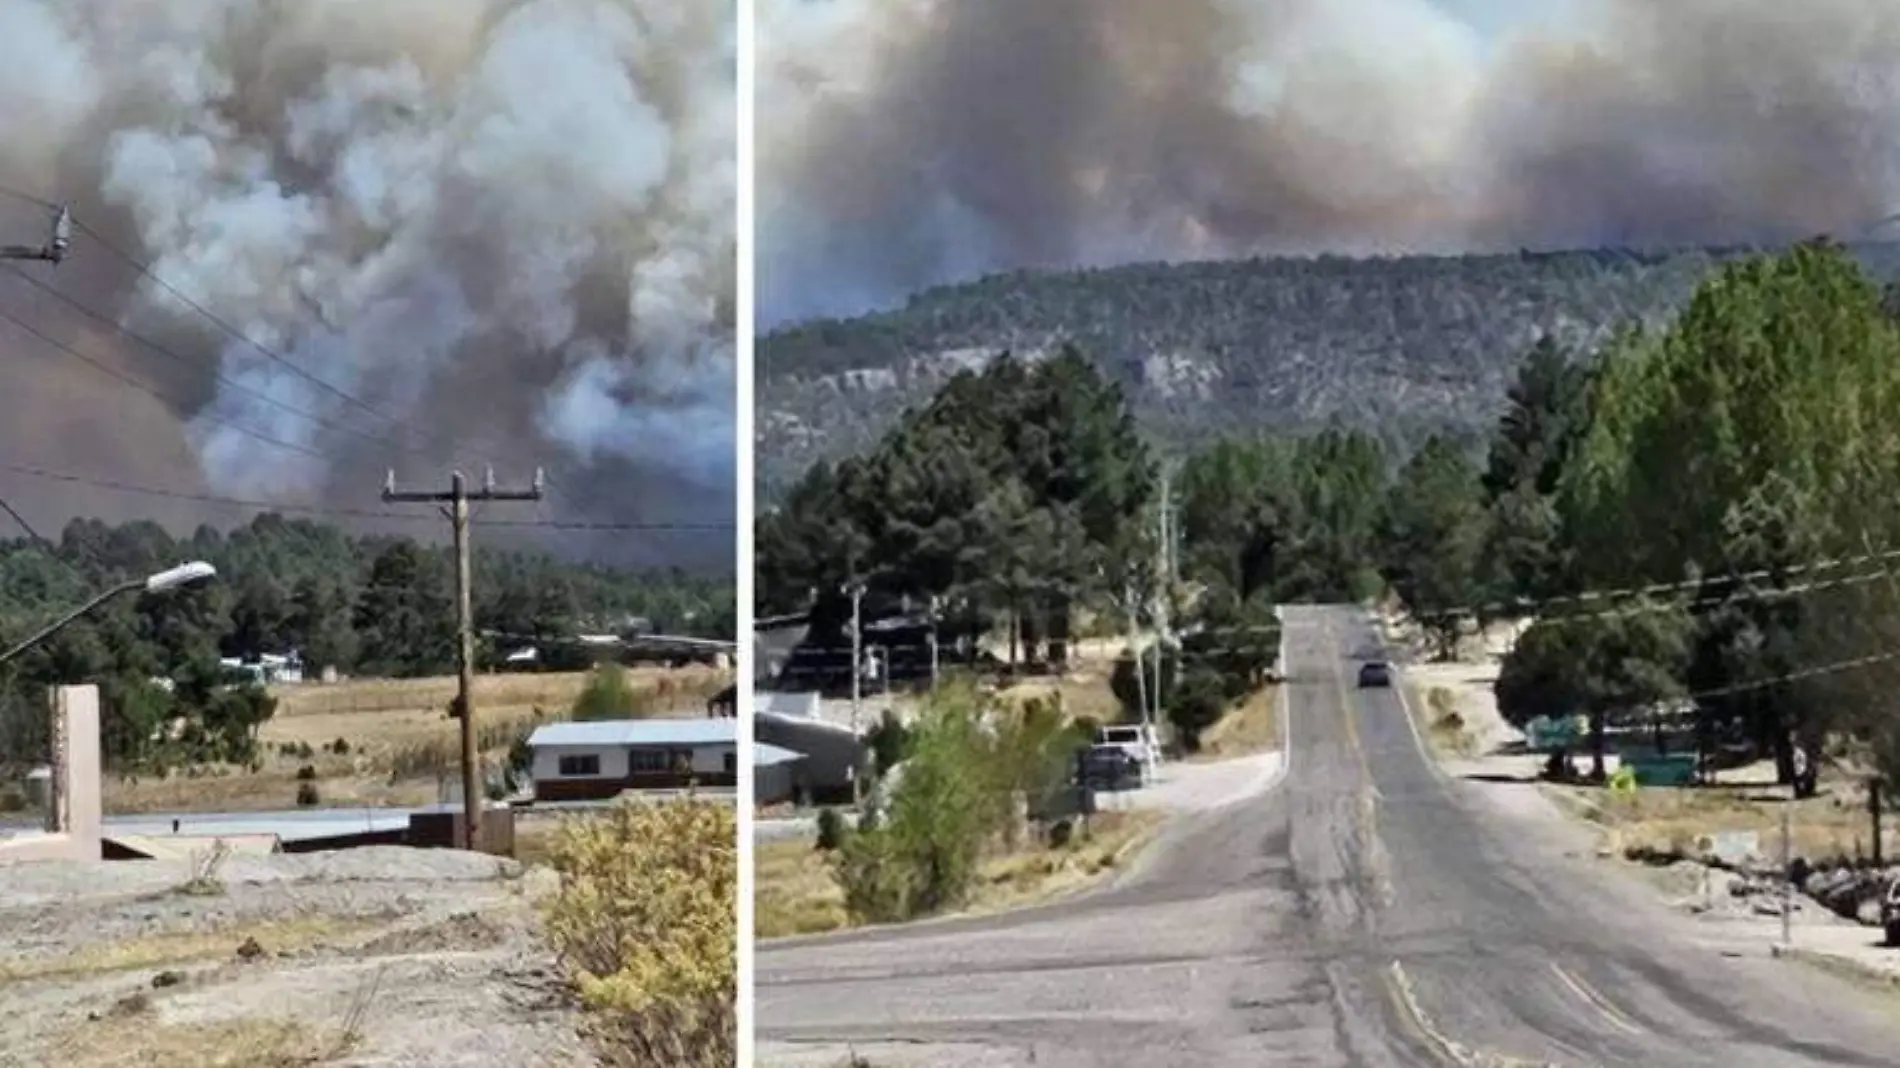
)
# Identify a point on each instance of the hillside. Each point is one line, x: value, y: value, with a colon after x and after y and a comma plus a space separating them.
x: 1392, y: 345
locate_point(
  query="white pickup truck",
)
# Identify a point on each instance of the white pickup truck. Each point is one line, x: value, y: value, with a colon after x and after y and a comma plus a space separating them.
x: 1138, y: 741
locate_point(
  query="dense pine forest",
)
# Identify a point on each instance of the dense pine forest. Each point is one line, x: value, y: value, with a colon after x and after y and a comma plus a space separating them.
x: 362, y: 606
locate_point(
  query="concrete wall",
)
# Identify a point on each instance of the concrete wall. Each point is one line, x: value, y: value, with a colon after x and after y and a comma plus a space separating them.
x: 774, y: 784
x: 76, y: 813
x: 831, y: 752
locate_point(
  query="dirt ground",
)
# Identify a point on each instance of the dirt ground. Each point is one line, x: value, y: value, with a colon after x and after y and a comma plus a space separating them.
x: 1252, y: 727
x: 794, y: 892
x: 400, y: 747
x: 270, y: 962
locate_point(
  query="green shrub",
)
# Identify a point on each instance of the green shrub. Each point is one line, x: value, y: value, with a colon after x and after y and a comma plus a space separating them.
x: 607, y: 695
x: 646, y: 920
x: 831, y: 830
x: 889, y: 741
x: 307, y: 795
x: 1197, y: 704
x: 953, y: 798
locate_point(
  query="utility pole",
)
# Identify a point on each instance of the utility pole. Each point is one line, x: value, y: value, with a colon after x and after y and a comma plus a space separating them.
x: 1164, y: 589
x: 1132, y: 601
x: 457, y: 498
x: 855, y: 590
x: 1787, y: 869
x: 58, y: 241
x: 933, y: 641
x: 1873, y: 807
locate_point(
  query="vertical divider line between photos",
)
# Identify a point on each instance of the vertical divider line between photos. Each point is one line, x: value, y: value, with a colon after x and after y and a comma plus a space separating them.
x: 744, y: 317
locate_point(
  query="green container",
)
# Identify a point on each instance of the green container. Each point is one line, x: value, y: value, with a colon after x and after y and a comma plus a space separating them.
x: 1546, y: 734
x: 1662, y: 770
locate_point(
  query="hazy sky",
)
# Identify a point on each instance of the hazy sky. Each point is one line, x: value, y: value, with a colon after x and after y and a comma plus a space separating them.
x: 904, y: 143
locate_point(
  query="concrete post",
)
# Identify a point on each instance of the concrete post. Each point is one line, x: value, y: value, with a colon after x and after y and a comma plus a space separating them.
x: 75, y: 813
x: 76, y: 716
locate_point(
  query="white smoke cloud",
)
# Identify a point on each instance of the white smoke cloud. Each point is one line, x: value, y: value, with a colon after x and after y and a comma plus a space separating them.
x: 441, y: 207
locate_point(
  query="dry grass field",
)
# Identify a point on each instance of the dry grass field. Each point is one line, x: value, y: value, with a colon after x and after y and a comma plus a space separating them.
x: 795, y: 893
x: 399, y: 747
x: 1676, y: 820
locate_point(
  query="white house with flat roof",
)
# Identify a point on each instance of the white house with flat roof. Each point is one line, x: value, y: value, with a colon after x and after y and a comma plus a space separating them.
x: 595, y: 760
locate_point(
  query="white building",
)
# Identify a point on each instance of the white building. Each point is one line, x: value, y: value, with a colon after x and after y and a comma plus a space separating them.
x: 591, y: 761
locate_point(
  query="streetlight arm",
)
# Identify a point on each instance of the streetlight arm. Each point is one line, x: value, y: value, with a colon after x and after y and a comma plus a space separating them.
x: 64, y: 621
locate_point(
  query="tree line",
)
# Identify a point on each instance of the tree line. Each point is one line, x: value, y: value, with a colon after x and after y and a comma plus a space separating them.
x: 357, y: 605
x: 1697, y: 521
x: 1706, y: 465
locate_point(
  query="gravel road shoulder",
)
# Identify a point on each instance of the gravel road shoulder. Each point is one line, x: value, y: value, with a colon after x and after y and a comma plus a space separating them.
x: 284, y: 959
x: 1714, y: 906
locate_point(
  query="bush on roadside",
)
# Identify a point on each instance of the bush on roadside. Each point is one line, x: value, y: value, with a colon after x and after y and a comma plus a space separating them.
x: 889, y: 741
x: 970, y: 765
x: 875, y: 878
x: 307, y: 795
x: 646, y: 922
x: 1197, y: 704
x: 831, y: 830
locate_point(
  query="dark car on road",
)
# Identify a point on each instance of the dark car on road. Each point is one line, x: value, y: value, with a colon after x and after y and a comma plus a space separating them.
x: 1109, y: 767
x: 1375, y: 674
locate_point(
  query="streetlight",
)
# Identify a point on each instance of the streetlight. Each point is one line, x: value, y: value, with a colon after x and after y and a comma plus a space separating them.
x: 170, y: 579
x: 59, y: 240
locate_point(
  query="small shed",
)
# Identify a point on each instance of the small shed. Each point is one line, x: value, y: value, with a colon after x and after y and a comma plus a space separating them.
x: 774, y: 774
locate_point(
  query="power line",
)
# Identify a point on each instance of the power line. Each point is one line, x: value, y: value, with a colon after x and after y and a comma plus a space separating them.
x: 111, y: 324
x: 28, y: 527
x: 1619, y: 612
x: 145, y: 270
x: 151, y: 390
x: 354, y: 513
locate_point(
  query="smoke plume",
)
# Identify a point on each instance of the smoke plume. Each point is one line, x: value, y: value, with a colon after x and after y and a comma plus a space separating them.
x: 907, y: 142
x: 460, y: 232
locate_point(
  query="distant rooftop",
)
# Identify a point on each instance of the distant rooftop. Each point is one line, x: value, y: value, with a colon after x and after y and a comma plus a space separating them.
x: 781, y: 703
x: 638, y: 732
x: 764, y: 756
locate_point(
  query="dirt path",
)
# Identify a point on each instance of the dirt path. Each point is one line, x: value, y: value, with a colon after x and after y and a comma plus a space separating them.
x: 332, y: 958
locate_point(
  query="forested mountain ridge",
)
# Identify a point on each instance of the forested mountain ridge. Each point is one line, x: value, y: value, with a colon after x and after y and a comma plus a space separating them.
x: 1400, y: 346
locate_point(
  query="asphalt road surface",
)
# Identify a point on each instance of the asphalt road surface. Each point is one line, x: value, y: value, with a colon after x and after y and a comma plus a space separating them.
x: 1368, y: 911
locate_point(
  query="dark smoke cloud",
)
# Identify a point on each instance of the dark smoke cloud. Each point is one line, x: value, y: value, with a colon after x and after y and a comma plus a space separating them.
x: 907, y: 142
x: 507, y: 223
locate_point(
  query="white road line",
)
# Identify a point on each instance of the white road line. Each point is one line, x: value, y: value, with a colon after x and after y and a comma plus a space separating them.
x: 1447, y: 1049
x: 1597, y: 1001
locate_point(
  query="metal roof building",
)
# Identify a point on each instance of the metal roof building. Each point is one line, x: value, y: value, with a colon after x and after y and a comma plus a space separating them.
x: 600, y: 759
x: 624, y: 732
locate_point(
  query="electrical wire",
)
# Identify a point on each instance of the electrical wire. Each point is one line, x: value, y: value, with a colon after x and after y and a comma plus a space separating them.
x: 237, y: 387
x: 151, y: 390
x: 355, y: 513
x: 146, y: 271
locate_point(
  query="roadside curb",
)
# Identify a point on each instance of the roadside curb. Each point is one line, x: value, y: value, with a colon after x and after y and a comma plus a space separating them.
x: 1835, y: 963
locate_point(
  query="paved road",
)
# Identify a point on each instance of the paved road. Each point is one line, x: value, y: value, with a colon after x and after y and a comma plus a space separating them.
x: 1367, y: 912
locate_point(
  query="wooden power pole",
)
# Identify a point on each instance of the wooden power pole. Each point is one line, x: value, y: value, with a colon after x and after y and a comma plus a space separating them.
x: 457, y: 498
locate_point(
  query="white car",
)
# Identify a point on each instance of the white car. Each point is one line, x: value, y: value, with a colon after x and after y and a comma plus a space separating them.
x: 1137, y: 741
